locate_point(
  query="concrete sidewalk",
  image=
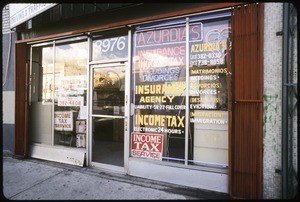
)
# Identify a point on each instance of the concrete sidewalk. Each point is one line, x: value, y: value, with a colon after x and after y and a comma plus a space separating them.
x: 32, y: 179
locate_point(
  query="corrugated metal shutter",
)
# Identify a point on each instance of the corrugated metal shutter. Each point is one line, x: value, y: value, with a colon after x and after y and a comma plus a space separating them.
x: 247, y: 96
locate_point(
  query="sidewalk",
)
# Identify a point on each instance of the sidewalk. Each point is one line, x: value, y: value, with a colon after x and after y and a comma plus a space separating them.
x: 32, y: 179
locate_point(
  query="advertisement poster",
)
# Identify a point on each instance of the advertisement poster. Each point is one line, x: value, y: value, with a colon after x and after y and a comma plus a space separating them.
x: 211, y: 50
x: 145, y: 145
x: 208, y: 68
x: 80, y: 127
x: 71, y: 85
x: 160, y: 81
x: 82, y: 112
x: 63, y: 120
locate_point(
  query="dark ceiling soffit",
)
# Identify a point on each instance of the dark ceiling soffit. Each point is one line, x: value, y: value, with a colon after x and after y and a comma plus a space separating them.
x: 129, y: 22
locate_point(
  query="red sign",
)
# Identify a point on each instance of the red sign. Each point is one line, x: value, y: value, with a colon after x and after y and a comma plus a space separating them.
x: 145, y: 145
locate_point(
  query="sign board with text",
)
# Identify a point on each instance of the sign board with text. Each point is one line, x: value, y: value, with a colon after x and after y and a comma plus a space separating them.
x: 63, y: 120
x: 20, y: 12
x: 71, y: 101
x: 146, y: 145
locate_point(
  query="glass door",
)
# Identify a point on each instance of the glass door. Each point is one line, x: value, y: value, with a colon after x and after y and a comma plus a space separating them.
x: 107, y: 114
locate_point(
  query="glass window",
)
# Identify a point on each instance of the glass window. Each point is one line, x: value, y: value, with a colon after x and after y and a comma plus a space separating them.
x: 208, y: 94
x: 47, y: 69
x: 110, y: 45
x: 108, y: 90
x: 159, y: 95
x: 159, y: 92
x: 40, y: 95
x: 70, y: 111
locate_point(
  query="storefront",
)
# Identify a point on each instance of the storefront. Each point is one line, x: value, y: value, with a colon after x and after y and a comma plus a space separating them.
x: 159, y: 98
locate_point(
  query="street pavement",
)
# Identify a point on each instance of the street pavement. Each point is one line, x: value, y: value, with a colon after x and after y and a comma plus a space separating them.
x: 33, y: 179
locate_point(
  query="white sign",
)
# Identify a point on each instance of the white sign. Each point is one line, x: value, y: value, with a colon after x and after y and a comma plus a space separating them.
x: 71, y: 85
x: 63, y: 120
x: 20, y: 13
x: 83, y: 112
x: 70, y: 101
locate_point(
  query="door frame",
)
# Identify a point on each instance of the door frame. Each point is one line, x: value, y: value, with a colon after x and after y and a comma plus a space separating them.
x: 126, y: 116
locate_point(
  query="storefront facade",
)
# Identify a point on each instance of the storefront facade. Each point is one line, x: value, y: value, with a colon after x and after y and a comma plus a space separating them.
x: 173, y: 97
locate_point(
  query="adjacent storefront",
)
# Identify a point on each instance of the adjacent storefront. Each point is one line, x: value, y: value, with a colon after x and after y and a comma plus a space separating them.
x: 150, y: 99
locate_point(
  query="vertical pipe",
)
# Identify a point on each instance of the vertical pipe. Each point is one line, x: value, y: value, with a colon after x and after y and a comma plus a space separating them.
x: 285, y: 56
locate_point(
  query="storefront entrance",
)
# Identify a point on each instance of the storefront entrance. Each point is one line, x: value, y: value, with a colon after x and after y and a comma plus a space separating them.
x: 107, y: 115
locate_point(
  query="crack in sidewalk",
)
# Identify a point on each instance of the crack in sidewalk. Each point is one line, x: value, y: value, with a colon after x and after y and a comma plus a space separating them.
x: 15, y: 195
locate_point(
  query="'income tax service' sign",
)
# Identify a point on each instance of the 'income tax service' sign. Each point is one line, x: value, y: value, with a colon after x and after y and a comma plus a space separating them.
x: 63, y: 120
x: 145, y: 145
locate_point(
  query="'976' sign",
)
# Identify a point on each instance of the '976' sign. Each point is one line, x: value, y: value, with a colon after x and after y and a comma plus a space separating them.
x: 110, y: 48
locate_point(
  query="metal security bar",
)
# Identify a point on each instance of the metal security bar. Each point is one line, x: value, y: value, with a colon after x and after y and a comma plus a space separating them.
x: 290, y: 176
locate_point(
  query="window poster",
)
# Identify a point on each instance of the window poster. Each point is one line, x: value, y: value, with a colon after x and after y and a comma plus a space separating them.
x: 70, y: 101
x: 159, y: 90
x: 147, y: 145
x: 63, y: 120
x: 159, y: 66
x: 208, y: 68
x: 80, y: 127
x: 82, y: 112
x: 208, y: 96
x: 71, y: 85
x: 211, y: 49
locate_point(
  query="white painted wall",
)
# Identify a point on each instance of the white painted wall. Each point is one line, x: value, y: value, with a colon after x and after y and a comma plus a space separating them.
x: 8, y: 101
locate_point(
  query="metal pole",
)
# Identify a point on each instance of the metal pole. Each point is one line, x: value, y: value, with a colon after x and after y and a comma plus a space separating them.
x: 187, y: 91
x: 285, y: 57
x: 88, y: 134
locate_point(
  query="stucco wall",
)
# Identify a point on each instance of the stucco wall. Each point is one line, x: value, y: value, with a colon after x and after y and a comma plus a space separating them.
x: 272, y: 101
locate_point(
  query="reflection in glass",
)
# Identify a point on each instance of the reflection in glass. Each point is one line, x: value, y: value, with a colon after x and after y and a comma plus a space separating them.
x: 108, y: 100
x: 41, y: 88
x: 208, y: 94
x: 47, y: 69
x: 159, y: 91
x: 108, y: 90
x: 110, y: 45
x: 70, y: 87
x: 108, y: 141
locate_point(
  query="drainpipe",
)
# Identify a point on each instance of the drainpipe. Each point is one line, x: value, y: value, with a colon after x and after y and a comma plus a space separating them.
x: 285, y: 56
